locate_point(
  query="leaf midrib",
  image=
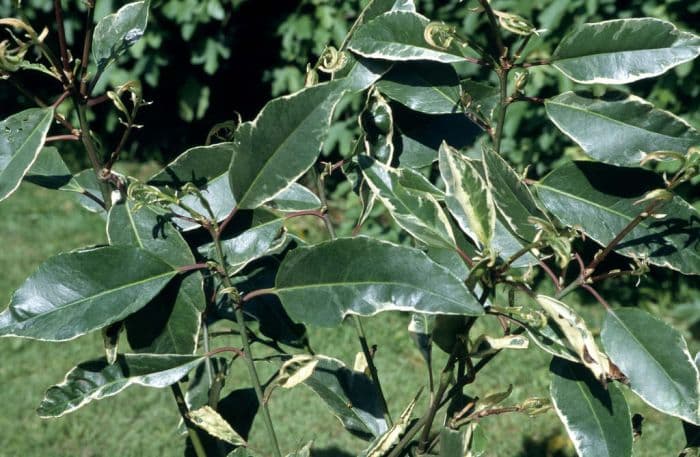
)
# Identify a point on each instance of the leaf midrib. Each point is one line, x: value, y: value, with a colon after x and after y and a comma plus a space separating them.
x: 611, y: 120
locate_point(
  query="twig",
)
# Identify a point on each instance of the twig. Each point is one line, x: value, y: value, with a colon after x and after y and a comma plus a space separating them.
x: 58, y: 10
x: 67, y: 137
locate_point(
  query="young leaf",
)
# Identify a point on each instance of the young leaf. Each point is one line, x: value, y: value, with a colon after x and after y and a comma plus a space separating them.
x: 381, y: 445
x: 399, y: 36
x: 210, y: 421
x: 619, y: 131
x: 512, y: 198
x: 623, y: 50
x: 283, y: 142
x: 427, y: 87
x: 598, y: 420
x: 467, y: 197
x: 75, y: 293
x: 577, y: 334
x: 321, y: 284
x: 170, y: 323
x: 115, y: 33
x: 97, y: 379
x: 600, y: 199
x: 419, y: 214
x: 351, y: 396
x: 22, y: 136
x: 655, y: 358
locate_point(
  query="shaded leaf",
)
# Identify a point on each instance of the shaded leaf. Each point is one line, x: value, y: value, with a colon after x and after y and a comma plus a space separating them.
x: 427, y: 87
x: 600, y: 199
x: 598, y: 420
x: 49, y: 170
x: 22, y: 136
x: 655, y: 358
x: 351, y: 396
x: 170, y: 323
x: 74, y: 293
x: 198, y: 165
x: 97, y: 379
x: 321, y: 284
x: 623, y: 50
x: 620, y: 131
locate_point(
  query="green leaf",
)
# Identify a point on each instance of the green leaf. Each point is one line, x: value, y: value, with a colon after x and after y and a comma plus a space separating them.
x: 321, y: 284
x: 655, y: 358
x: 422, y: 134
x: 597, y: 420
x: 512, y: 197
x: 49, y: 170
x: 170, y: 323
x: 600, y: 199
x: 87, y: 187
x: 283, y: 142
x: 398, y: 36
x: 421, y: 330
x: 359, y: 73
x: 623, y: 50
x: 207, y: 168
x: 427, y: 87
x: 467, y: 196
x: 77, y: 292
x: 382, y: 444
x: 22, y: 136
x: 419, y: 214
x: 351, y: 396
x: 482, y: 98
x: 198, y: 165
x: 296, y: 198
x: 117, y: 32
x: 267, y: 237
x: 620, y: 131
x: 97, y: 379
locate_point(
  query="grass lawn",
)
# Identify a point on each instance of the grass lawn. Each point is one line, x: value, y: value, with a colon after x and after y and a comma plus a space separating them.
x: 38, y: 223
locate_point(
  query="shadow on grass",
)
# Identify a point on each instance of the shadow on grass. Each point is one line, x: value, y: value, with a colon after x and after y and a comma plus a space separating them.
x: 551, y: 446
x: 330, y: 452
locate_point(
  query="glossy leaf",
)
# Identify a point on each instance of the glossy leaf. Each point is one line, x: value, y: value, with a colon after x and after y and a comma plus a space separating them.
x: 351, y: 396
x: 283, y: 142
x: 467, y: 196
x: 87, y: 187
x: 513, y: 199
x: 399, y: 36
x: 170, y: 323
x: 296, y: 198
x: 49, y: 170
x: 261, y: 239
x: 623, y: 50
x: 207, y: 168
x: 22, y: 136
x: 418, y: 214
x: 97, y: 379
x: 381, y: 445
x: 598, y: 420
x: 655, y: 358
x: 115, y: 33
x: 620, y: 131
x: 75, y: 293
x: 427, y: 87
x: 600, y: 199
x: 198, y: 165
x: 481, y: 98
x: 359, y: 73
x: 322, y: 284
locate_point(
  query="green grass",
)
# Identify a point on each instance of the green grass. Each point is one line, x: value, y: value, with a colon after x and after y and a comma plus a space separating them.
x: 37, y: 223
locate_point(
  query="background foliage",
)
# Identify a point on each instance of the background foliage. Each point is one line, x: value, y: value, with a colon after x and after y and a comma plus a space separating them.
x: 246, y: 51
